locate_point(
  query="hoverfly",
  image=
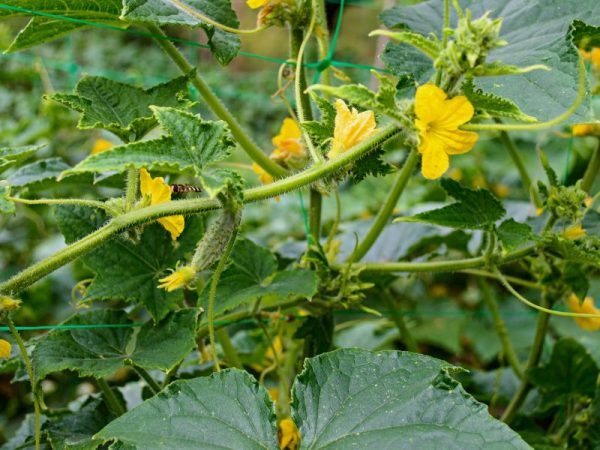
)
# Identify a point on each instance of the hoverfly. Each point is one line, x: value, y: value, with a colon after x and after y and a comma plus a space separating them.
x: 184, y: 188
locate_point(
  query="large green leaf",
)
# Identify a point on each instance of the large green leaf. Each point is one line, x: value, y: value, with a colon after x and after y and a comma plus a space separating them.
x: 42, y: 28
x: 99, y: 352
x: 571, y: 372
x: 125, y: 269
x: 353, y: 398
x: 121, y: 108
x: 253, y: 274
x: 190, y: 143
x: 38, y: 171
x: 224, y: 46
x: 75, y: 431
x: 227, y: 410
x: 473, y: 209
x: 537, y: 32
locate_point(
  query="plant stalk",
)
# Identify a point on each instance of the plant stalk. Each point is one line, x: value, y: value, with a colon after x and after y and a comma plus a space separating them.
x: 113, y: 402
x: 151, y: 382
x: 230, y: 352
x: 387, y: 207
x: 592, y: 170
x: 398, y: 318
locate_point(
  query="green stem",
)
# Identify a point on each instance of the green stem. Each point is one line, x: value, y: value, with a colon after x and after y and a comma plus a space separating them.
x: 131, y: 188
x: 398, y: 318
x: 508, y: 349
x: 534, y: 358
x: 314, y: 215
x: 191, y: 206
x: 388, y: 206
x: 592, y: 170
x: 151, y: 382
x: 430, y: 266
x: 278, y: 367
x: 446, y: 25
x: 322, y: 36
x: 216, y: 105
x: 29, y: 368
x: 213, y: 293
x: 523, y: 172
x: 65, y: 201
x: 230, y: 352
x: 513, y: 280
x: 113, y: 402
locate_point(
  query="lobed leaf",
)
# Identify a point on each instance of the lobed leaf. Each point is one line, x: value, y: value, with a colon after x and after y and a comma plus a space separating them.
x: 10, y: 156
x: 513, y: 234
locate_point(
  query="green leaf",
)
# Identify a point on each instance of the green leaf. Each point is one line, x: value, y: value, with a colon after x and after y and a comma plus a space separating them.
x: 571, y: 372
x: 582, y: 251
x: 191, y: 143
x: 405, y: 60
x: 226, y: 410
x: 370, y: 164
x: 428, y: 47
x: 474, y: 209
x: 121, y: 108
x: 99, y: 352
x: 15, y: 155
x: 125, y: 269
x: 513, y: 234
x: 252, y: 274
x: 490, y: 105
x: 42, y: 170
x: 6, y: 206
x: 24, y: 437
x: 43, y: 29
x: 224, y: 46
x: 542, y: 94
x: 322, y: 130
x: 353, y: 398
x: 75, y: 431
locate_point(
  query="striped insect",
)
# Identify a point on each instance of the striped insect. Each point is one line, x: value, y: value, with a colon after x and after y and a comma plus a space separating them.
x: 184, y: 188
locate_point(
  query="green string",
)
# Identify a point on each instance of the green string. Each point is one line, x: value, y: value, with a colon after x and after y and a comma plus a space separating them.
x: 328, y: 60
x: 107, y: 26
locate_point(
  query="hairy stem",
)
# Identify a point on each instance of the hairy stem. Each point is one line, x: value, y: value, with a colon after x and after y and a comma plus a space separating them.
x: 131, y: 188
x: 534, y: 358
x: 191, y: 206
x: 592, y: 170
x: 213, y: 293
x: 113, y: 402
x: 501, y: 330
x: 217, y: 106
x: 65, y: 201
x: 387, y: 207
x: 29, y: 368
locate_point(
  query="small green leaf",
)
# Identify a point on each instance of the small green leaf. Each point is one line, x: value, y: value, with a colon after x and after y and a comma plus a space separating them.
x: 191, y: 143
x: 99, y: 352
x: 354, y: 398
x: 6, y: 206
x: 42, y: 170
x: 121, y: 108
x: 322, y: 130
x: 253, y: 274
x: 513, y: 234
x: 224, y: 46
x: 490, y: 105
x: 473, y: 210
x: 75, y: 431
x: 571, y: 372
x: 226, y: 410
x: 427, y: 46
x: 404, y: 60
x: 127, y: 270
x: 371, y: 164
x: 15, y: 155
x: 44, y: 29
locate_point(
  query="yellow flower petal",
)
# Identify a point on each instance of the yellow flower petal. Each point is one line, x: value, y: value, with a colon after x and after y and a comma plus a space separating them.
x: 350, y: 128
x: 454, y: 112
x: 595, y: 58
x: 263, y: 175
x: 254, y: 4
x: 9, y: 303
x: 289, y: 130
x: 587, y: 307
x: 180, y: 278
x: 584, y: 129
x: 574, y: 232
x: 5, y: 348
x: 434, y: 163
x: 101, y: 145
x: 455, y: 142
x: 289, y: 437
x: 160, y: 192
x: 428, y: 100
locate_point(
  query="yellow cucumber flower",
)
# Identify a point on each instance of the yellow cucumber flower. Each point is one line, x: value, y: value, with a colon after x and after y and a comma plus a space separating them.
x: 160, y: 192
x: 289, y: 437
x: 438, y: 119
x: 574, y: 232
x: 288, y: 142
x: 587, y: 307
x: 254, y: 4
x: 585, y: 129
x: 4, y: 349
x: 351, y: 127
x: 182, y: 276
x: 264, y: 176
x: 9, y: 303
x: 101, y: 145
x: 593, y: 56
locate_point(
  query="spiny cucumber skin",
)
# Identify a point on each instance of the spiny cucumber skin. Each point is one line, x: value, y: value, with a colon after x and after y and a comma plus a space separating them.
x: 214, y: 241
